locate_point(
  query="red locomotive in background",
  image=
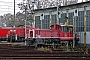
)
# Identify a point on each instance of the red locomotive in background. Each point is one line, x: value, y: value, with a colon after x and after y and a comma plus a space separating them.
x: 13, y: 34
x: 56, y: 34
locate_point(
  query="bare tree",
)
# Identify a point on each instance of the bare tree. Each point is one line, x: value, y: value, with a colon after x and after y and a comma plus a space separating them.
x: 38, y: 4
x: 7, y: 19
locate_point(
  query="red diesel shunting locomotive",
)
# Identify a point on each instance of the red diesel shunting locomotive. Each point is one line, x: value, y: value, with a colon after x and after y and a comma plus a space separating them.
x: 55, y: 34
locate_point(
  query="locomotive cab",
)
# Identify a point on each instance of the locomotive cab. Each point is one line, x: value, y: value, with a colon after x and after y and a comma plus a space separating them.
x: 67, y: 32
x: 56, y: 27
x: 63, y: 28
x: 68, y: 29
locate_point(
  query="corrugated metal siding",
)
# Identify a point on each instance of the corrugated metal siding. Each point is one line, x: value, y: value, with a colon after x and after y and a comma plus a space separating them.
x: 82, y: 38
x: 88, y: 8
x: 88, y: 37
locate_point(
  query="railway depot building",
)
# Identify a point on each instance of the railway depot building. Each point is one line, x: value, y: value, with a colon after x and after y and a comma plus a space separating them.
x: 77, y: 14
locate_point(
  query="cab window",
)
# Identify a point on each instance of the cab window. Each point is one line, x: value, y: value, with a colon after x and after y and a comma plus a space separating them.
x: 59, y: 28
x: 66, y: 29
x: 71, y: 30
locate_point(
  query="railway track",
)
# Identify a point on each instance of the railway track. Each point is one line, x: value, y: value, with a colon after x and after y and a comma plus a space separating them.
x: 42, y: 58
x: 9, y: 52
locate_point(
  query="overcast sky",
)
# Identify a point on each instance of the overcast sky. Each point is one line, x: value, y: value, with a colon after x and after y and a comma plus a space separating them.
x: 6, y: 6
